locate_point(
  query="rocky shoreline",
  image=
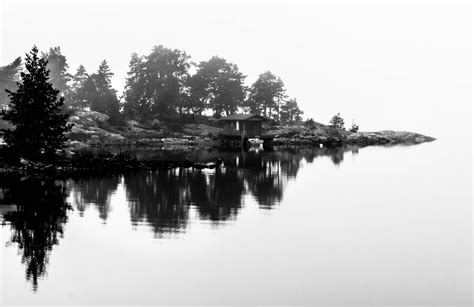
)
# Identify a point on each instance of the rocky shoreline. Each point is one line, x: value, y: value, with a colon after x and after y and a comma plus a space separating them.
x: 86, y: 164
x: 327, y: 136
x: 91, y: 131
x: 89, y: 163
x: 386, y: 137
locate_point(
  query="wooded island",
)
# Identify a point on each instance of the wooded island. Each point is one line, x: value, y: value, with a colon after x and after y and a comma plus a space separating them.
x: 47, y: 111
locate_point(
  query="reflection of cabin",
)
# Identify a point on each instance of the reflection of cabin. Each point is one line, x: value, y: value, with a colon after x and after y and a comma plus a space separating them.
x: 244, y: 124
x: 238, y: 128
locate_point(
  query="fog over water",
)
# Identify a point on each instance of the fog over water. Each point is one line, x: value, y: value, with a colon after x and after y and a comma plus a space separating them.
x: 349, y: 226
x: 386, y: 64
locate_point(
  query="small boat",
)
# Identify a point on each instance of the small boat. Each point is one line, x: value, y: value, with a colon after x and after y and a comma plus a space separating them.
x: 255, y: 142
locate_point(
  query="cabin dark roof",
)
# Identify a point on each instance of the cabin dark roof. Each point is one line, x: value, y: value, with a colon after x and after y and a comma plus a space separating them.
x: 246, y: 117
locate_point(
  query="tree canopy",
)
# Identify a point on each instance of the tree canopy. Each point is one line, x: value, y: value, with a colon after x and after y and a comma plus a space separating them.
x: 337, y: 121
x: 99, y: 92
x: 78, y: 95
x: 165, y: 84
x: 266, y: 96
x: 290, y: 113
x: 57, y: 66
x: 155, y: 83
x: 218, y: 85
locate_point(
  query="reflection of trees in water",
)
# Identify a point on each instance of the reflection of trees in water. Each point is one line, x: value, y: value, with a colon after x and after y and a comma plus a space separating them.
x: 156, y: 198
x: 162, y: 199
x: 96, y: 191
x: 38, y: 221
x: 222, y: 198
x: 309, y: 154
x: 262, y: 174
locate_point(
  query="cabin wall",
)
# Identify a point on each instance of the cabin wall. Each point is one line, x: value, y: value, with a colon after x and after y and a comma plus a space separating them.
x: 253, y: 128
x: 250, y: 128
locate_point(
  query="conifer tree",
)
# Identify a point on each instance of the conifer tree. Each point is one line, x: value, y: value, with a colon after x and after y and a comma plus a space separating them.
x: 104, y: 98
x: 337, y: 121
x: 36, y: 113
x: 78, y: 92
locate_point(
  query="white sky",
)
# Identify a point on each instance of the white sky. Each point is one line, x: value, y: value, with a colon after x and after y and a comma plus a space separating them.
x: 388, y: 65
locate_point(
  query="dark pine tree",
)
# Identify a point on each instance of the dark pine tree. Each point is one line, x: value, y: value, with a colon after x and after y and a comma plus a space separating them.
x: 39, y: 125
x: 104, y: 97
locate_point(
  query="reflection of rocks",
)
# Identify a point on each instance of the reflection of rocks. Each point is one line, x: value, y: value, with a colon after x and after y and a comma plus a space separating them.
x: 37, y: 222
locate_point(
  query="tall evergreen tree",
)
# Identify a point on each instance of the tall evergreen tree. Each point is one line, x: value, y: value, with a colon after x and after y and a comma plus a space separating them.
x: 78, y: 96
x: 102, y: 97
x: 136, y: 103
x: 8, y: 77
x: 36, y: 113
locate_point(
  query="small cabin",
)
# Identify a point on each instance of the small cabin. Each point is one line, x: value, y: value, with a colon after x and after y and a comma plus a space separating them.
x: 249, y: 125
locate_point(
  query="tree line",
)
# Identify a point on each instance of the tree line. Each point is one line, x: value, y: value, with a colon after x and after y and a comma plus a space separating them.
x: 160, y: 85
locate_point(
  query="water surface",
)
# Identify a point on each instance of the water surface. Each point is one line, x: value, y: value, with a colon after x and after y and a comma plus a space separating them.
x: 349, y: 226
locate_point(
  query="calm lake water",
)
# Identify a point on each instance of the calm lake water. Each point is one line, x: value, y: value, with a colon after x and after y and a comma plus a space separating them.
x: 367, y: 226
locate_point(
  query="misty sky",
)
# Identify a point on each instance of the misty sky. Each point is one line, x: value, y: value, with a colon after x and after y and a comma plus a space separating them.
x: 387, y: 65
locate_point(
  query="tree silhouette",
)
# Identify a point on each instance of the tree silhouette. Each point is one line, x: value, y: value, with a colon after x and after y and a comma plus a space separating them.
x: 266, y: 95
x: 38, y: 221
x: 290, y: 112
x: 155, y: 83
x: 337, y: 121
x: 219, y: 85
x: 102, y: 97
x: 78, y: 96
x: 36, y: 113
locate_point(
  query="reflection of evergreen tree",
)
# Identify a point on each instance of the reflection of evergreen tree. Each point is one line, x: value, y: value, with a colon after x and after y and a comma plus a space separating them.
x: 97, y: 191
x: 38, y: 221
